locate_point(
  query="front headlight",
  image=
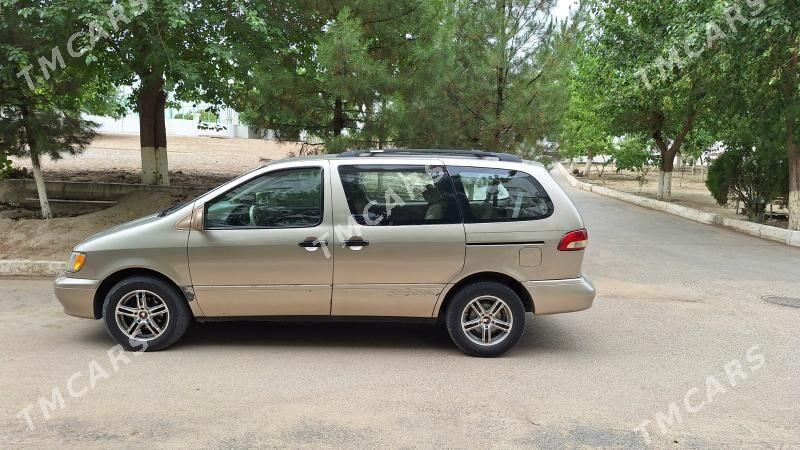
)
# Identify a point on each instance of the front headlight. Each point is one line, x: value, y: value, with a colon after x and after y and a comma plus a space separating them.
x: 76, y: 261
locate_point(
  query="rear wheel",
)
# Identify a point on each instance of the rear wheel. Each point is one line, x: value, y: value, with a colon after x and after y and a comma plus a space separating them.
x: 145, y: 313
x: 485, y: 319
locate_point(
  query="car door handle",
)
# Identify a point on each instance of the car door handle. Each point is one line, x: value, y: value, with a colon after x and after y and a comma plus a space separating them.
x: 355, y: 244
x: 312, y: 244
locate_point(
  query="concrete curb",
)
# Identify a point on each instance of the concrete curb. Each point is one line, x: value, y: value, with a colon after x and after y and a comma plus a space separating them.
x: 26, y: 268
x: 17, y: 190
x: 753, y: 229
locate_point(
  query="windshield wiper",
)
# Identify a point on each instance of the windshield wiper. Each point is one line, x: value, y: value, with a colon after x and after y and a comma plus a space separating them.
x: 170, y: 209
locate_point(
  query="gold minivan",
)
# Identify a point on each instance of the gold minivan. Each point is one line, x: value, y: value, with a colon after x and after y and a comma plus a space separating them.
x: 472, y: 239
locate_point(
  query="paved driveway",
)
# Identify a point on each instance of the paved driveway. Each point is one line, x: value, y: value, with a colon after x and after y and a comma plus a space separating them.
x: 678, y: 303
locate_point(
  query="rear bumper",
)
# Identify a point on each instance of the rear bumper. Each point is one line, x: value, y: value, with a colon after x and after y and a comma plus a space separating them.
x: 76, y: 296
x: 560, y: 296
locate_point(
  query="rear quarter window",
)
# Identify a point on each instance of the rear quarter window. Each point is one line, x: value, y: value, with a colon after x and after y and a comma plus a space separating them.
x: 499, y: 195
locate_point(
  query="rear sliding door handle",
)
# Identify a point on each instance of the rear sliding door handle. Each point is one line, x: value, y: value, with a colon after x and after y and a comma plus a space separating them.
x: 355, y: 244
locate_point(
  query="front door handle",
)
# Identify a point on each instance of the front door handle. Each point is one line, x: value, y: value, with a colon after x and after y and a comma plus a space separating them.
x: 312, y: 244
x: 355, y: 244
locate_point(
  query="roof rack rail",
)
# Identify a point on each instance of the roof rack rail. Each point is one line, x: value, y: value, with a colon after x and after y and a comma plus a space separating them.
x: 432, y: 152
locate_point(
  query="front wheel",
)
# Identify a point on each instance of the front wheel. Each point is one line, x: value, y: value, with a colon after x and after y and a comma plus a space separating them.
x: 485, y: 319
x: 145, y: 313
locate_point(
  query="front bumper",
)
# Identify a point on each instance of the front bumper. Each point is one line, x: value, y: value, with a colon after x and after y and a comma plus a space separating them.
x: 560, y: 296
x: 76, y: 296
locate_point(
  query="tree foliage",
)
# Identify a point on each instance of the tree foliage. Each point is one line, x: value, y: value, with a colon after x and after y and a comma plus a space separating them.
x: 468, y: 74
x: 754, y: 177
x: 691, y: 76
x: 334, y: 87
x: 40, y: 111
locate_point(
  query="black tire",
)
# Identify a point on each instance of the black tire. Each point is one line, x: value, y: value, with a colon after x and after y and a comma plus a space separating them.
x: 174, y: 326
x: 462, y: 299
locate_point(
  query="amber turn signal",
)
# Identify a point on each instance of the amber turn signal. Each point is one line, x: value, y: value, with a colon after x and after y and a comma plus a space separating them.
x: 76, y: 261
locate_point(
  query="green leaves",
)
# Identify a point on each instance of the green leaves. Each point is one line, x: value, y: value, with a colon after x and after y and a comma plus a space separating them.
x: 756, y: 176
x: 41, y: 97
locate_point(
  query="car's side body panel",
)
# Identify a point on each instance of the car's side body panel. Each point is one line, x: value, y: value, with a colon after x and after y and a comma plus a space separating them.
x: 402, y: 270
x: 153, y: 243
x: 264, y: 271
x: 523, y: 250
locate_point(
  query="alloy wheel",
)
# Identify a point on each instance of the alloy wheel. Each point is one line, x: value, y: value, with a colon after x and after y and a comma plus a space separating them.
x: 487, y: 320
x: 142, y: 315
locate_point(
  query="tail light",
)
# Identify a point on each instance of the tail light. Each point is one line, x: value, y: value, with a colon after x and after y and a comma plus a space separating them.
x: 574, y: 241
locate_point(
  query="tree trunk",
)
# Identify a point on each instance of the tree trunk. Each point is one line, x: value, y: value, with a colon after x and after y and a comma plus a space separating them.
x: 664, y: 186
x: 338, y: 117
x: 33, y: 149
x: 794, y: 189
x: 588, y: 167
x: 703, y: 170
x: 152, y: 102
x: 38, y: 177
x: 656, y: 122
x: 501, y: 76
x: 665, y: 176
x: 791, y: 143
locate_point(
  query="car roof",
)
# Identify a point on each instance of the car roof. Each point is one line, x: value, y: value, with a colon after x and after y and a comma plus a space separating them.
x: 411, y: 152
x: 457, y: 154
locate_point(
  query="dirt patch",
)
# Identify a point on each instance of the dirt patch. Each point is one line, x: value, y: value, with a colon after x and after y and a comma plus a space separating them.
x: 199, y: 162
x: 688, y: 189
x: 53, y: 239
x: 193, y: 161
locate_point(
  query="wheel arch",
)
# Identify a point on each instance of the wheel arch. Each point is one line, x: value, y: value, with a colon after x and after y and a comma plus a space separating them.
x: 497, y: 277
x: 111, y: 280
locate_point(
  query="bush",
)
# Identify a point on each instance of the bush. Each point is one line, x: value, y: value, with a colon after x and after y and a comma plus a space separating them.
x: 754, y: 177
x: 5, y: 166
x: 633, y: 154
x: 209, y: 116
x: 184, y: 116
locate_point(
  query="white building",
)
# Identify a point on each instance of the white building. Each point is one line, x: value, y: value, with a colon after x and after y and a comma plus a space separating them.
x: 183, y: 121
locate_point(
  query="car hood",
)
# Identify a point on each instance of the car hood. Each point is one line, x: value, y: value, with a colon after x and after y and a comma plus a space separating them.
x: 123, y: 226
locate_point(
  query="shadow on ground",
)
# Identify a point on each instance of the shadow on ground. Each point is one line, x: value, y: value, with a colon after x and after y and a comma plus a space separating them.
x: 541, y: 335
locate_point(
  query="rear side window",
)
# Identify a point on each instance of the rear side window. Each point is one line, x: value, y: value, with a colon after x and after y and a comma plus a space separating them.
x: 386, y: 195
x: 499, y: 195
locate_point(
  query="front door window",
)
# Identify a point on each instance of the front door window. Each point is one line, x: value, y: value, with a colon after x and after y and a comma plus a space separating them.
x: 289, y: 198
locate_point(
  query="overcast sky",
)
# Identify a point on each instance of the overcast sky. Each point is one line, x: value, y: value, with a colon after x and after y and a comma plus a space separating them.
x: 562, y: 8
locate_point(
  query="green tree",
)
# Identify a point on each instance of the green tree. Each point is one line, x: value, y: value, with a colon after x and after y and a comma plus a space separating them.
x: 412, y: 73
x: 336, y: 87
x: 586, y: 128
x: 485, y: 80
x: 761, y: 99
x: 633, y: 153
x: 184, y: 51
x: 40, y: 110
x: 756, y: 176
x: 651, y: 73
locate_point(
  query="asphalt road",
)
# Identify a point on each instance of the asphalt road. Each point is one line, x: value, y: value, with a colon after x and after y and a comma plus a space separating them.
x: 678, y: 301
